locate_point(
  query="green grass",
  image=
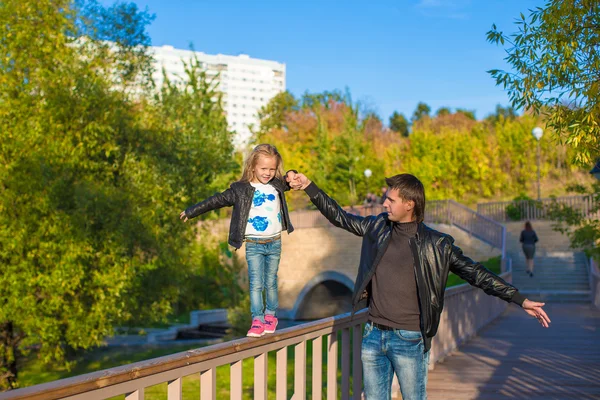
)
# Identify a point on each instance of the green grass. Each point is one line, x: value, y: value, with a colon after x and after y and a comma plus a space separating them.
x: 493, y: 264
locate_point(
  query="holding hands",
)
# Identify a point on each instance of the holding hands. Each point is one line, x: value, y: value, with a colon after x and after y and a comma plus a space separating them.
x: 297, y: 180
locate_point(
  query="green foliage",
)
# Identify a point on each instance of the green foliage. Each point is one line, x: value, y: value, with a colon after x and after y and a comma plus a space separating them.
x: 399, y: 123
x: 501, y: 113
x: 514, y: 211
x: 453, y: 155
x: 93, y: 173
x: 239, y: 318
x: 583, y: 228
x: 272, y: 116
x: 442, y: 111
x: 470, y: 114
x: 556, y: 64
x: 421, y: 111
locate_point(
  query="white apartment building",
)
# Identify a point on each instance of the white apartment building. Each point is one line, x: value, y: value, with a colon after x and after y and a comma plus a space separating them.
x: 247, y: 83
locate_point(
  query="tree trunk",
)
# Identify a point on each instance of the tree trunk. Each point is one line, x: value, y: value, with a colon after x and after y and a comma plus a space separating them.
x: 9, y: 342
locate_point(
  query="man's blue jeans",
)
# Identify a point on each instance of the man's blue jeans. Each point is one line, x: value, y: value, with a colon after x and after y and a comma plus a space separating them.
x: 263, y: 263
x: 385, y: 352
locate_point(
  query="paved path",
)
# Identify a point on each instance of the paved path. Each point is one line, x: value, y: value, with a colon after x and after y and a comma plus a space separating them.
x: 515, y: 358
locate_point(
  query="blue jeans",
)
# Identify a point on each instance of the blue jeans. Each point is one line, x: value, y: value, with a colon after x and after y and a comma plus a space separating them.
x: 395, y: 351
x: 263, y: 263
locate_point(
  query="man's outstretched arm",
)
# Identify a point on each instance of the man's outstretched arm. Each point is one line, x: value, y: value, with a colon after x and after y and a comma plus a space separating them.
x: 479, y: 276
x: 327, y: 206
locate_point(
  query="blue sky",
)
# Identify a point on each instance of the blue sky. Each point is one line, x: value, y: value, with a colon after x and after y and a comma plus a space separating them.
x: 390, y: 54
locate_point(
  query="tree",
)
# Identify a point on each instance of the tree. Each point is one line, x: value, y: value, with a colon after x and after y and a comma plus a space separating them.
x: 556, y: 65
x: 93, y: 172
x: 502, y: 113
x: 442, y: 111
x: 421, y: 111
x: 272, y: 115
x: 582, y: 229
x: 399, y: 123
x: 467, y: 113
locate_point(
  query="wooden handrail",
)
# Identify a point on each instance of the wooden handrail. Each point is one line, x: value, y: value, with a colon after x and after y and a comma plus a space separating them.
x: 100, y: 379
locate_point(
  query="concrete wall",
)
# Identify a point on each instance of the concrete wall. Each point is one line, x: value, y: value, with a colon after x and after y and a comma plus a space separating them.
x: 312, y: 256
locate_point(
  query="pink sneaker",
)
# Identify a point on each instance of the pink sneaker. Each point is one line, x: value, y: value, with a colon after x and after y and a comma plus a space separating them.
x: 257, y: 329
x: 270, y: 323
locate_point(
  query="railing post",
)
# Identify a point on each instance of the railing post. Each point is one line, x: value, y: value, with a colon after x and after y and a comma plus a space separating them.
x: 208, y: 384
x: 503, y: 241
x: 332, y: 363
x: 356, y: 362
x: 137, y: 395
x: 346, y: 364
x: 174, y: 389
x: 281, y: 376
x: 235, y: 380
x: 317, y: 368
x: 300, y: 371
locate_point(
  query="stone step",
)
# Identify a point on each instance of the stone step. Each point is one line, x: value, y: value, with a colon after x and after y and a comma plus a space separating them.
x: 555, y: 269
x: 542, y: 272
x: 554, y: 273
x: 569, y: 296
x: 527, y: 288
x: 547, y: 274
x: 548, y: 286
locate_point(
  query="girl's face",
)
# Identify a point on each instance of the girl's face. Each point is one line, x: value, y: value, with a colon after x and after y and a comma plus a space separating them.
x: 265, y: 169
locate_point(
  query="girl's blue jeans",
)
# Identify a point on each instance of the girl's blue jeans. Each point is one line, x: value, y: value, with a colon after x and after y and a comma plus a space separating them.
x: 263, y: 263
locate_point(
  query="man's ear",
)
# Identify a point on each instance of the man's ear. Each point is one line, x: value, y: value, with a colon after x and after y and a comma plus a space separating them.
x: 409, y: 205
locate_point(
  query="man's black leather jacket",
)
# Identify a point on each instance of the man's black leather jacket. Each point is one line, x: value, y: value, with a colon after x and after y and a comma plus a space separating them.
x: 240, y: 195
x: 434, y: 256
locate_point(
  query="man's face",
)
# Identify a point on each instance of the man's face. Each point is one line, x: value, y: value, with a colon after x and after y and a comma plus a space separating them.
x: 397, y: 208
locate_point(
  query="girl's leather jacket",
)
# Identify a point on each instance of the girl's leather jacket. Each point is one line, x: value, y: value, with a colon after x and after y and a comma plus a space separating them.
x: 239, y: 196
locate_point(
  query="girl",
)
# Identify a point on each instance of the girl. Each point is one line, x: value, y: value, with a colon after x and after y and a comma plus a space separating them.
x: 529, y: 239
x: 259, y: 215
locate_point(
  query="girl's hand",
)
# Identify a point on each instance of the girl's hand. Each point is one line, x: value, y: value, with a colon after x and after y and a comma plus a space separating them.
x: 183, y: 216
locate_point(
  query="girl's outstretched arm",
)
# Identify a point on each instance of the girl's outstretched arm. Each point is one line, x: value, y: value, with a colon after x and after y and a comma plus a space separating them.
x: 219, y: 200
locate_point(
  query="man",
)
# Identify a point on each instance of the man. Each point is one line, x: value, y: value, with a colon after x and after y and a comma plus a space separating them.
x: 401, y: 278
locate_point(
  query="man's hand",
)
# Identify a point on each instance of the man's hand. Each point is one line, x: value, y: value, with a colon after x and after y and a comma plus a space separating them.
x: 183, y: 216
x: 534, y: 309
x: 297, y: 181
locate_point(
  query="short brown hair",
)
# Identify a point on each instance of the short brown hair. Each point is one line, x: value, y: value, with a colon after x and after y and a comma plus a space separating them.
x: 410, y: 188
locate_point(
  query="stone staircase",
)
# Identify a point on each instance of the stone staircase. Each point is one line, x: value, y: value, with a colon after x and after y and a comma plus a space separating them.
x: 560, y: 273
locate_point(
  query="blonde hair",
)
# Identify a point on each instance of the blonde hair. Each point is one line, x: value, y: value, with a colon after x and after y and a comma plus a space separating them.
x: 265, y: 150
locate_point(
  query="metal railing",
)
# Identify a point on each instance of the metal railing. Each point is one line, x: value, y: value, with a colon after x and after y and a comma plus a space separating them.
x: 523, y: 210
x: 594, y: 276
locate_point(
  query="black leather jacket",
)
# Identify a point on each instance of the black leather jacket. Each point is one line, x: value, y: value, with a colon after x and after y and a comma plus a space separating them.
x: 240, y: 195
x: 434, y: 256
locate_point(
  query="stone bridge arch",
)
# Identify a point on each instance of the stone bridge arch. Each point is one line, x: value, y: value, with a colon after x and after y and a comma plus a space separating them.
x: 328, y: 293
x: 320, y: 259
